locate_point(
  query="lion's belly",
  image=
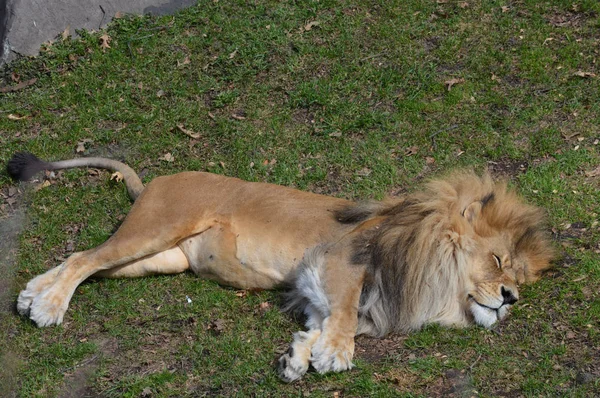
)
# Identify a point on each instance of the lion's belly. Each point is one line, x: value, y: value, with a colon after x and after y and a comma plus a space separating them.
x: 239, y: 259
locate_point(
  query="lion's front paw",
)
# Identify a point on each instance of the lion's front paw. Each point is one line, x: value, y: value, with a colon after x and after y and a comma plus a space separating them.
x: 332, y: 356
x: 48, y: 308
x: 294, y: 364
x: 292, y: 367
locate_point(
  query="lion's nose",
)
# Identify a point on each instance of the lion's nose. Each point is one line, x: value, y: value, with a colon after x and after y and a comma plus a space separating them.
x: 508, y: 295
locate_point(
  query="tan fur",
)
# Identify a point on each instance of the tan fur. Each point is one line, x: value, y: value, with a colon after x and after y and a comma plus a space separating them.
x: 375, y: 267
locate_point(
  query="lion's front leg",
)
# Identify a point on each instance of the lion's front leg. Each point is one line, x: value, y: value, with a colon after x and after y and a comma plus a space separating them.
x: 334, y: 349
x: 328, y: 290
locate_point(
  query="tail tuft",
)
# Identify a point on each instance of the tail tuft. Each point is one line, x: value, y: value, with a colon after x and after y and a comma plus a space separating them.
x: 24, y: 165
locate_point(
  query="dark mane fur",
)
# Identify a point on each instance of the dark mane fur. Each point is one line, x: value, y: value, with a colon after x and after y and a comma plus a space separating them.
x: 410, y: 252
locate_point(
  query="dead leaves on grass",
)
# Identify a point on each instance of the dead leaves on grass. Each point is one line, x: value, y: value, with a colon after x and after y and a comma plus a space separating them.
x: 81, y: 145
x: 17, y: 87
x: 310, y: 25
x: 452, y: 82
x: 167, y: 157
x: 188, y: 132
x: 12, y: 116
x: 117, y: 176
x: 105, y: 40
x: 584, y: 74
x: 186, y: 61
x: 593, y: 173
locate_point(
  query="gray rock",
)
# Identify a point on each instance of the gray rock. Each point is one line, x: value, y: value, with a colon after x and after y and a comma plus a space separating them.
x: 26, y: 24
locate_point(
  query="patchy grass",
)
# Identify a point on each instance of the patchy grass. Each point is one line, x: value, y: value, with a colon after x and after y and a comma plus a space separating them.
x: 355, y: 106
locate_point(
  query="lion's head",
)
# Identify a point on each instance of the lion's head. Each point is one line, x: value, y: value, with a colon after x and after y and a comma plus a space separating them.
x: 454, y: 253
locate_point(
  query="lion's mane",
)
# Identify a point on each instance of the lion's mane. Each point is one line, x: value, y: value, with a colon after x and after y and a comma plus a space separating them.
x: 416, y: 256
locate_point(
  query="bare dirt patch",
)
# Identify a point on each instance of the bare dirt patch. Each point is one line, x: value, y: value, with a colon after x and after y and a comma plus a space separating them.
x: 78, y: 380
x: 376, y: 350
x: 507, y: 168
x: 454, y: 383
x: 560, y: 18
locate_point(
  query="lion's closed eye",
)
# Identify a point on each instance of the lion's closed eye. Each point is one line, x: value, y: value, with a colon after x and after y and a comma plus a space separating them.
x: 498, y: 261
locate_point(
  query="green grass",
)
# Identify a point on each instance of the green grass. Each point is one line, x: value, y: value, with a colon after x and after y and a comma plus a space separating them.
x: 333, y: 109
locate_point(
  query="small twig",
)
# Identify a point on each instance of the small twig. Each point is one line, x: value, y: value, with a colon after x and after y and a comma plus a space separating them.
x: 103, y: 16
x: 433, y: 135
x: 131, y: 54
x: 474, y: 363
x: 372, y: 56
x: 79, y: 365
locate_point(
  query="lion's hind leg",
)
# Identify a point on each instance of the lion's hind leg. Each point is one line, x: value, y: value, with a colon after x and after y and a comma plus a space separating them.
x: 46, y: 298
x: 171, y: 261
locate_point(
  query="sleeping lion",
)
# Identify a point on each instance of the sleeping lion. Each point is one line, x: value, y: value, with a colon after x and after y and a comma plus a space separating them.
x: 453, y: 253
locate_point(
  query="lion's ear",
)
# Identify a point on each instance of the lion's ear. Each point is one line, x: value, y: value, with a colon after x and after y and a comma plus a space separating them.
x: 472, y: 211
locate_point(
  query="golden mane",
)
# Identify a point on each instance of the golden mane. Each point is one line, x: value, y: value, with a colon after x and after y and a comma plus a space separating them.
x: 418, y: 254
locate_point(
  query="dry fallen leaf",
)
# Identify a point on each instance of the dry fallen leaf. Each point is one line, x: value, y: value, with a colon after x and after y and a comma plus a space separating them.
x: 411, y: 150
x: 187, y: 132
x: 452, y: 82
x: 217, y: 326
x: 105, y: 42
x: 20, y: 86
x: 364, y: 172
x: 80, y: 147
x: 584, y: 74
x: 311, y: 25
x: 167, y: 157
x: 117, y: 176
x: 429, y: 160
x: 335, y: 134
x: 118, y: 15
x: 186, y: 61
x: 505, y: 9
x: 237, y: 117
x: 12, y: 116
x: 593, y: 173
x: 233, y: 54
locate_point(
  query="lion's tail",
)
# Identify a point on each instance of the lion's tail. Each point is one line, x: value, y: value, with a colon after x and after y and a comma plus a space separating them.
x: 24, y: 165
